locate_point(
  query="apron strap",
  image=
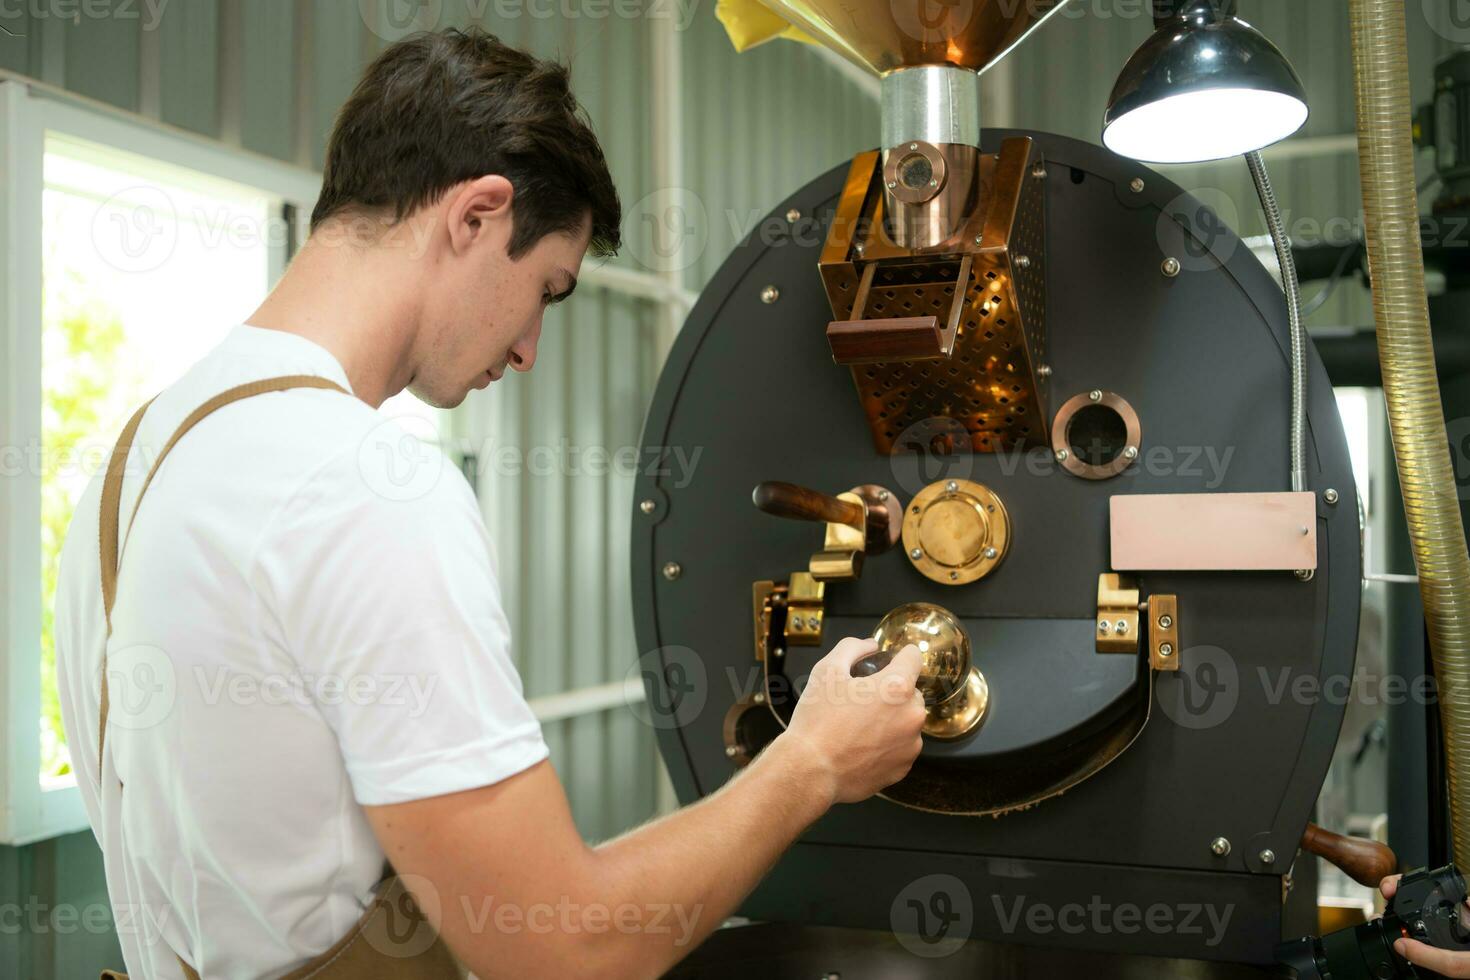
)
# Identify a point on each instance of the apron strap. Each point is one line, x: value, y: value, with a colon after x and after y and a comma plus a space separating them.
x: 108, y: 525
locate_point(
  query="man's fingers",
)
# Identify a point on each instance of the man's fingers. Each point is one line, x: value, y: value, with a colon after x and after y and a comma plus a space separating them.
x: 1389, y: 885
x: 905, y: 666
x: 1441, y: 961
x: 849, y: 651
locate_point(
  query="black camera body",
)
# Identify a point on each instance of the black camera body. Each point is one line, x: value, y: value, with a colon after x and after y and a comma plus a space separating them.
x: 1428, y: 906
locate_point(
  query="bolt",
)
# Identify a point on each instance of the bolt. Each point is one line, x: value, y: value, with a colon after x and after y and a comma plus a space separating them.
x: 953, y: 576
x: 1330, y: 495
x: 1171, y: 267
x: 1165, y: 622
x: 1039, y: 171
x: 1104, y: 627
x: 1094, y: 395
x: 1219, y: 847
x: 812, y: 622
x: 770, y: 294
x: 778, y: 652
x: 1121, y: 627
x: 672, y: 570
x: 1304, y: 574
x: 1044, y: 370
x: 882, y: 494
x: 933, y: 182
x: 951, y: 486
x: 1166, y: 649
x: 1304, y: 530
x: 978, y: 240
x: 858, y: 248
x: 1131, y: 452
x: 1062, y: 455
x: 913, y: 146
x: 731, y: 751
x: 1136, y: 185
x: 647, y: 506
x: 892, y: 184
x: 793, y: 216
x: 1023, y: 262
x: 1268, y: 856
x: 916, y: 554
x: 991, y: 553
x: 760, y: 697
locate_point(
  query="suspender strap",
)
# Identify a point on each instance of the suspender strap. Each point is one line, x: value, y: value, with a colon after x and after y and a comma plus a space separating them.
x: 108, y: 524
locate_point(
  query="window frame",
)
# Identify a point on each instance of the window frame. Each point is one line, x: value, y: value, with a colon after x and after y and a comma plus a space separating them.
x: 30, y: 811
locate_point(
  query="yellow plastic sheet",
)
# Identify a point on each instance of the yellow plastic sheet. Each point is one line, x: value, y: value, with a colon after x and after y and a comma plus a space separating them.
x: 750, y: 22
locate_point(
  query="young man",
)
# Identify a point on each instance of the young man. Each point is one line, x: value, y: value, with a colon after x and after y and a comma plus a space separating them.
x: 253, y: 774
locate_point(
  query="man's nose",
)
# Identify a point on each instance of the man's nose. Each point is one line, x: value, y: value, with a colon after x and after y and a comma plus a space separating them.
x: 523, y: 354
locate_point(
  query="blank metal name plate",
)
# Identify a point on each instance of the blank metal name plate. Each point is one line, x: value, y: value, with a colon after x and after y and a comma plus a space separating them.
x: 1214, y: 531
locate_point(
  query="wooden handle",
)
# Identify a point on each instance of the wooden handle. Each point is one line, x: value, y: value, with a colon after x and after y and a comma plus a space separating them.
x: 790, y: 500
x: 1366, y: 861
x: 915, y: 338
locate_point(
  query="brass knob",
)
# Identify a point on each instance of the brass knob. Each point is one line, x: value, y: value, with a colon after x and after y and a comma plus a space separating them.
x: 953, y: 688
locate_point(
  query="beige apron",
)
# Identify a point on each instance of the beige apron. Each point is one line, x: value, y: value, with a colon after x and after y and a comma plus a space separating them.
x: 392, y: 940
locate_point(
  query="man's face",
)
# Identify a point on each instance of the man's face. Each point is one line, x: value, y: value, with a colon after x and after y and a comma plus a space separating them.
x: 483, y: 315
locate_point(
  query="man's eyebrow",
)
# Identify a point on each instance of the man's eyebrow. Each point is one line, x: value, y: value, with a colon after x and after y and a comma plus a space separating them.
x: 570, y: 288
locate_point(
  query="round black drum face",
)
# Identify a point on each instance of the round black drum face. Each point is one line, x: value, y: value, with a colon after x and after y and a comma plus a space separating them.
x: 1190, y: 361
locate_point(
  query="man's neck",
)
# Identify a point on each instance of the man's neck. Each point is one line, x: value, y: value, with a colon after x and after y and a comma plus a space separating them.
x: 355, y: 301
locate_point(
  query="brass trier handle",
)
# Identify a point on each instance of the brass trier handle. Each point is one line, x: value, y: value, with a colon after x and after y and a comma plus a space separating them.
x: 1365, y: 861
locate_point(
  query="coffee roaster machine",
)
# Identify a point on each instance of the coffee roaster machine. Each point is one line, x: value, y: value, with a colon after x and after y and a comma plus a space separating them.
x: 1003, y: 389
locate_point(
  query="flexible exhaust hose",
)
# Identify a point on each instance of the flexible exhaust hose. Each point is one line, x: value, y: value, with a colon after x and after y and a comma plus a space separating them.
x: 1410, y: 384
x: 1292, y: 289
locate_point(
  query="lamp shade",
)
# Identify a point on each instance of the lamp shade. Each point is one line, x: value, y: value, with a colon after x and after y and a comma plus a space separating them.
x: 1204, y: 86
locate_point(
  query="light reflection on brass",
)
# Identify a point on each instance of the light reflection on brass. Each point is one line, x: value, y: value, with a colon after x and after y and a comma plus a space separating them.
x: 954, y: 690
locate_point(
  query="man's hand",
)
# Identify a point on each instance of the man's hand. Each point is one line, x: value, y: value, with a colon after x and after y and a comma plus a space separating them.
x: 1449, y: 963
x: 863, y: 731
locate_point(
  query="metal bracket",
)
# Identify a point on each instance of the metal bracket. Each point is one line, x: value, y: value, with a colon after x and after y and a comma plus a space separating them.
x: 1163, y: 632
x: 842, y: 551
x: 804, y: 598
x: 1117, y: 614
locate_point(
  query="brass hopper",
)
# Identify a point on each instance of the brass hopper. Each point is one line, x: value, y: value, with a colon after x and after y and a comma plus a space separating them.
x: 934, y: 264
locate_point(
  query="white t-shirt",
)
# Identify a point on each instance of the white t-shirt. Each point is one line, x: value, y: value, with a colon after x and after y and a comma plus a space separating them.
x: 307, y: 620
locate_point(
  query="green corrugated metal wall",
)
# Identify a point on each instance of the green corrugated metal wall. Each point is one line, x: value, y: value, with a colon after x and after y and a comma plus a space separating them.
x: 267, y: 76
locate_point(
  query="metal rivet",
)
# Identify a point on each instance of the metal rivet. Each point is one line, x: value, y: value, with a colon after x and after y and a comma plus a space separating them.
x: 1330, y: 495
x: 760, y: 697
x: 672, y: 570
x: 1171, y: 267
x: 1023, y: 261
x: 1131, y: 452
x: 1094, y: 395
x: 1268, y: 856
x: 1044, y: 370
x: 731, y: 751
x: 951, y: 486
x: 1166, y: 649
x: 916, y: 554
x: 1062, y: 455
x: 1165, y: 622
x: 1136, y: 185
x: 793, y: 216
x: 882, y: 494
x: 770, y: 294
x: 778, y: 652
x: 647, y: 506
x: 1039, y: 171
x: 1219, y: 847
x: 1305, y: 532
x: 991, y: 552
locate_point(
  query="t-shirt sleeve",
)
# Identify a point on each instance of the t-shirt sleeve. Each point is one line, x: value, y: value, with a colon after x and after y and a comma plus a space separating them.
x: 381, y: 582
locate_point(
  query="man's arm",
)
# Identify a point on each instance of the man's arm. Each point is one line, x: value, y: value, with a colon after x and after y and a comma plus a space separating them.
x: 503, y: 874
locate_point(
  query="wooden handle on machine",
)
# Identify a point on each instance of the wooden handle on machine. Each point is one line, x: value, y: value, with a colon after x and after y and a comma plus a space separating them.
x: 1365, y: 861
x: 790, y: 500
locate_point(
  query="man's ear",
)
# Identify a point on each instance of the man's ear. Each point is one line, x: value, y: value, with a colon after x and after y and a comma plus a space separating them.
x: 479, y: 210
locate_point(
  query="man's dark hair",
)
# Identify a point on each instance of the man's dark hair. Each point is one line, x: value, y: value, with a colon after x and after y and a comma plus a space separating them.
x: 440, y: 108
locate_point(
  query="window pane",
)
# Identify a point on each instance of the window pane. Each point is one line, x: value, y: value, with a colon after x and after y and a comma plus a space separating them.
x: 145, y: 267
